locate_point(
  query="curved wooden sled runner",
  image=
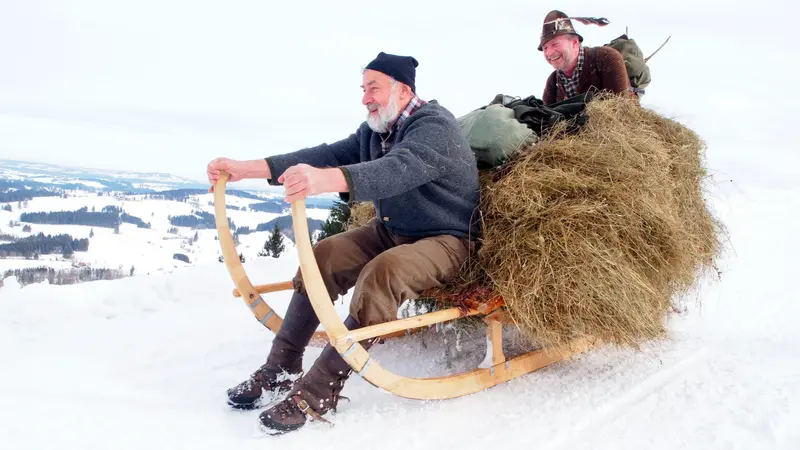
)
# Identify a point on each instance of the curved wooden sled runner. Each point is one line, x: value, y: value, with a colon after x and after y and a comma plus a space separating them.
x: 346, y: 342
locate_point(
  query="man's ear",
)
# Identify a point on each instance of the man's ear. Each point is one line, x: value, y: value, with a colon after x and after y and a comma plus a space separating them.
x: 405, y: 92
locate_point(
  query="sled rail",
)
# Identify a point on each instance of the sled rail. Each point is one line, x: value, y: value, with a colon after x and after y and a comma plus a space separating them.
x: 422, y: 320
x: 268, y: 288
x: 347, y: 342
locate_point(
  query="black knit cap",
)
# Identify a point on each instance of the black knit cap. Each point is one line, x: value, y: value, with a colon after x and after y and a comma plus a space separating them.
x: 401, y: 68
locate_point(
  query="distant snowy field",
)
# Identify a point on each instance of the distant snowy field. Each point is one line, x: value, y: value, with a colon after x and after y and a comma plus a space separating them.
x: 143, y: 363
x: 147, y: 250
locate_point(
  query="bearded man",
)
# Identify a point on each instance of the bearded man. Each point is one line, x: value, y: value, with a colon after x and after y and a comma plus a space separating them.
x: 577, y: 68
x: 411, y: 160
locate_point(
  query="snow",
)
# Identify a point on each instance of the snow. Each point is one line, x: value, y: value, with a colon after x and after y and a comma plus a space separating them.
x: 93, y: 184
x: 147, y: 250
x: 144, y: 362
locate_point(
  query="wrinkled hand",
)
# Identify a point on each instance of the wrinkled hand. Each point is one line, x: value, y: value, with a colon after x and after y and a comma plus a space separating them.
x: 238, y: 170
x: 219, y: 164
x: 301, y: 181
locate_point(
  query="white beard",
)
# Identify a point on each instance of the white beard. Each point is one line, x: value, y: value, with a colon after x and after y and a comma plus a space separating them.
x: 386, y: 116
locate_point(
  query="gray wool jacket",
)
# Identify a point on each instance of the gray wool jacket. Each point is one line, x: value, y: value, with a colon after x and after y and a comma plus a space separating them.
x: 426, y: 184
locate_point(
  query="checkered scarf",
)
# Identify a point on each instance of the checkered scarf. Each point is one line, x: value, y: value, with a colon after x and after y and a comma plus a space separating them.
x: 413, y: 105
x: 570, y: 84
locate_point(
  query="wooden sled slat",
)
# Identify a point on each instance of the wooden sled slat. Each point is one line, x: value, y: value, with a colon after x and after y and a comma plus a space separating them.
x: 417, y: 388
x: 268, y: 288
x: 470, y: 382
x: 346, y: 342
x: 401, y: 325
x: 244, y: 288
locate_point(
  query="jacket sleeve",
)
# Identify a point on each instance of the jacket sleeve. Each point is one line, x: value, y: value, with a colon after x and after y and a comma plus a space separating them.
x: 549, y: 94
x: 343, y: 152
x: 613, y: 73
x: 420, y: 157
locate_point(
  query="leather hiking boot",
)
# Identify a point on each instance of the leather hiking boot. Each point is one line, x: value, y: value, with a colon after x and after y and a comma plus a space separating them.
x: 316, y: 393
x: 284, y: 364
x: 263, y: 387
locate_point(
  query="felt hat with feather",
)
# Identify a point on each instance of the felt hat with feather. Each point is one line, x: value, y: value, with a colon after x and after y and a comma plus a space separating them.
x: 556, y: 23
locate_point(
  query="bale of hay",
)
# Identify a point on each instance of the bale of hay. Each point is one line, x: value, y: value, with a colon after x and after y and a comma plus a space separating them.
x: 360, y: 214
x: 597, y: 233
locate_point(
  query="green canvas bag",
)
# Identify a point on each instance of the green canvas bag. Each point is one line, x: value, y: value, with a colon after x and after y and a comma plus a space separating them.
x: 495, y: 134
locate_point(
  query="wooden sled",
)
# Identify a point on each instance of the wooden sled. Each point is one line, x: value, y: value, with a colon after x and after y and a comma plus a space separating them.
x: 346, y: 342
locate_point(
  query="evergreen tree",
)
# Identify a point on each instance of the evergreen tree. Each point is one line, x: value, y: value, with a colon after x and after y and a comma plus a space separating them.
x: 275, y: 244
x: 264, y: 251
x: 336, y: 221
x: 91, y: 233
x: 26, y: 228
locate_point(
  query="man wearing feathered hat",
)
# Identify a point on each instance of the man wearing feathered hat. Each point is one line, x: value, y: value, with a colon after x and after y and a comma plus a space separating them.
x: 578, y: 68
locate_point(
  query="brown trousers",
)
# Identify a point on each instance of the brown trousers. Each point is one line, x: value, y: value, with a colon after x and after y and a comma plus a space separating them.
x: 384, y: 268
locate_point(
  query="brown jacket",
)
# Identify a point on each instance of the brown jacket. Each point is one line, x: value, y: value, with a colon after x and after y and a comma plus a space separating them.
x: 606, y: 71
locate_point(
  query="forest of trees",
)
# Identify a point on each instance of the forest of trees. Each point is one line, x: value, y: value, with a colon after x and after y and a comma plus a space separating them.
x: 198, y: 220
x: 25, y: 194
x: 8, y: 237
x: 109, y: 217
x: 181, y: 257
x: 127, y: 218
x: 285, y: 224
x: 244, y: 230
x: 41, y: 244
x: 270, y: 206
x: 180, y: 195
x: 63, y: 276
x: 80, y: 217
x: 19, y: 191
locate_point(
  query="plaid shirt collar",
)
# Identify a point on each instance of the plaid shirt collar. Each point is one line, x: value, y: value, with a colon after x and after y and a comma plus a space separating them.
x: 570, y: 84
x: 413, y: 105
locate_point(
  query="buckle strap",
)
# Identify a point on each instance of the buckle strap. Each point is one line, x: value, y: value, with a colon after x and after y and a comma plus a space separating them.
x: 308, y: 411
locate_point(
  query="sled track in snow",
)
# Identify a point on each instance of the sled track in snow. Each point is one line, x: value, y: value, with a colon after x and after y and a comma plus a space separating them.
x: 634, y: 395
x: 590, y: 422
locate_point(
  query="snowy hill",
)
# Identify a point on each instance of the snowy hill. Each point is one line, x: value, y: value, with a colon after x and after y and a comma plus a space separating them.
x: 144, y: 362
x: 99, y: 179
x: 147, y: 250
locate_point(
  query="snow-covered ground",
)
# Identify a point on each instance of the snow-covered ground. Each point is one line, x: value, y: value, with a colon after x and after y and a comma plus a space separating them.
x: 147, y: 250
x: 144, y: 362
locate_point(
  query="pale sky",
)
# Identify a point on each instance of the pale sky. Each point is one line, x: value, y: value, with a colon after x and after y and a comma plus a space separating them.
x: 167, y: 85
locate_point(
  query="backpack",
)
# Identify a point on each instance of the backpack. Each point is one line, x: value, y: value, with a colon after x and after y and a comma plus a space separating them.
x: 494, y: 134
x: 635, y: 62
x: 509, y: 125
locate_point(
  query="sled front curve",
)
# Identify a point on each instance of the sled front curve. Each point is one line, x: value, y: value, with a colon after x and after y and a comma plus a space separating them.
x: 347, y: 342
x: 244, y: 288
